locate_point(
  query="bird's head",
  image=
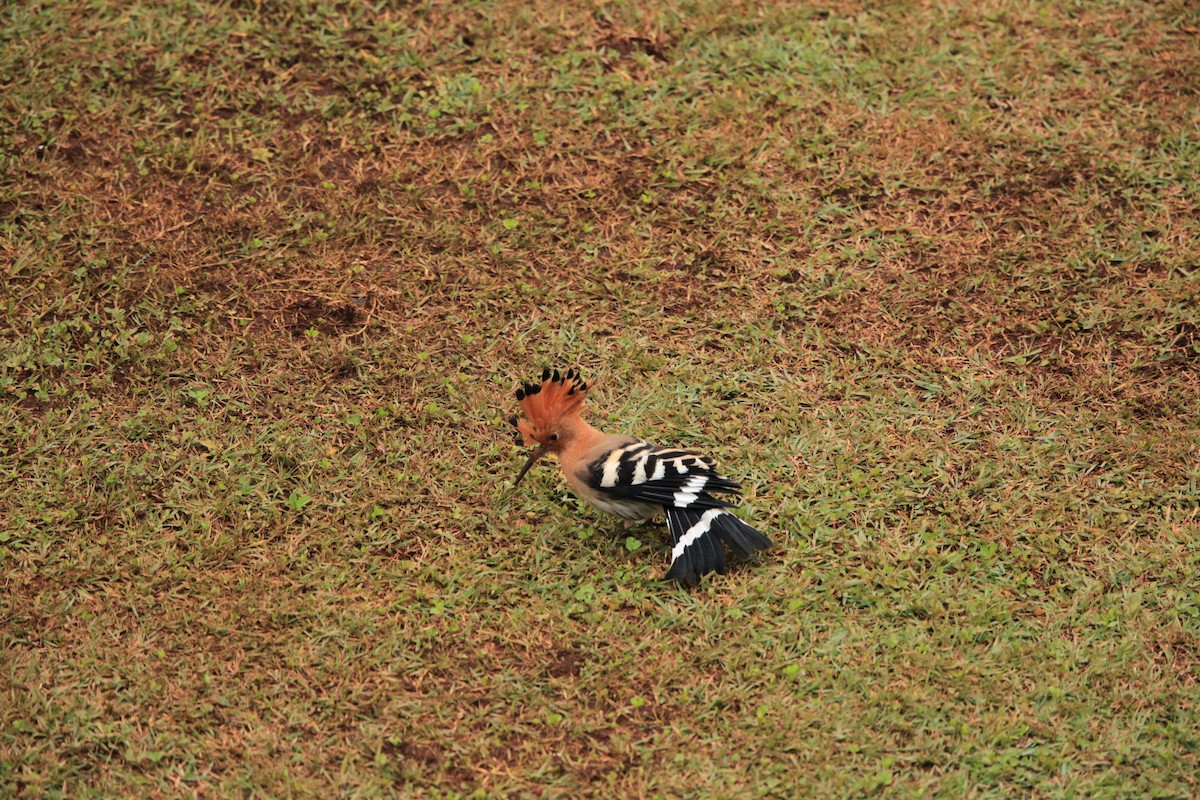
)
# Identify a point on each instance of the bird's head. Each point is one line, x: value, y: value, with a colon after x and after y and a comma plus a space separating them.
x: 550, y: 413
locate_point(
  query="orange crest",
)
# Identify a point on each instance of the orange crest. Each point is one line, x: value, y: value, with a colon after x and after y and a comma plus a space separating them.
x: 545, y: 403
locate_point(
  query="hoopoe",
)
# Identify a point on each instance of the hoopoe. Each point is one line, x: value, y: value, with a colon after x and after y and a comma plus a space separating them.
x: 626, y: 476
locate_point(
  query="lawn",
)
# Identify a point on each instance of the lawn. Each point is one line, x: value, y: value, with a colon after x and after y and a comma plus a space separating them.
x: 923, y: 276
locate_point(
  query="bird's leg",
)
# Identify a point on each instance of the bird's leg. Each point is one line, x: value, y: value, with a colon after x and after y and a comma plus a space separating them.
x: 628, y: 525
x: 620, y: 531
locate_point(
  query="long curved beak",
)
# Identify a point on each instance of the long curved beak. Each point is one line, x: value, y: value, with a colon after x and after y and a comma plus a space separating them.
x: 533, y: 457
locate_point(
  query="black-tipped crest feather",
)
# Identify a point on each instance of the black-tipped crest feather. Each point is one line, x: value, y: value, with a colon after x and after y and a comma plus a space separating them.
x: 544, y: 403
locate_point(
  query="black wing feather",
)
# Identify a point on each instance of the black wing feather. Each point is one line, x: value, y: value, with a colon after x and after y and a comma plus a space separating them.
x: 680, y: 469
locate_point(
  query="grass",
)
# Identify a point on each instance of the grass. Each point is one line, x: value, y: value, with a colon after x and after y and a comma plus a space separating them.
x: 923, y: 276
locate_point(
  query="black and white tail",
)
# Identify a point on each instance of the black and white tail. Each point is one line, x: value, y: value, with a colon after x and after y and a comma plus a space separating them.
x: 698, y: 534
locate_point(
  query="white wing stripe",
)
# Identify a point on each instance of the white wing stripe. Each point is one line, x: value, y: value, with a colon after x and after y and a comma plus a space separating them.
x: 639, y: 469
x: 688, y: 493
x: 612, y: 465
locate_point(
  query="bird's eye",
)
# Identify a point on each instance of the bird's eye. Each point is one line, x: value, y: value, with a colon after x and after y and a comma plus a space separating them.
x: 554, y: 437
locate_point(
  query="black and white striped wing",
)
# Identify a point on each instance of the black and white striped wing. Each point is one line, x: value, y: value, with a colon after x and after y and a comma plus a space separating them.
x: 641, y: 472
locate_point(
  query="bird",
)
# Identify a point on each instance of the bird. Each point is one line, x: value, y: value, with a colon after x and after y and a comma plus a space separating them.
x: 634, y: 479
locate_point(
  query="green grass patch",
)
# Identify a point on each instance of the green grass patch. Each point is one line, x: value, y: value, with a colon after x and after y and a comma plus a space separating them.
x: 923, y: 277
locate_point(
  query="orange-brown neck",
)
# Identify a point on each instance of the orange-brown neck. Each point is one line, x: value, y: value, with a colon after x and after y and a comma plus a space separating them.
x: 581, y: 437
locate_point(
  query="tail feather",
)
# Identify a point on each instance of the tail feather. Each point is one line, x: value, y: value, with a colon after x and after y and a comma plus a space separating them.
x: 689, y: 558
x: 715, y: 553
x: 740, y: 537
x: 698, y: 536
